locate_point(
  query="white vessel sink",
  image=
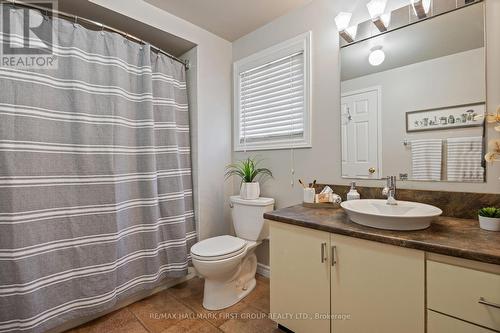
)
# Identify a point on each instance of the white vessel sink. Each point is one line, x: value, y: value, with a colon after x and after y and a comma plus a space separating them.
x: 406, y: 215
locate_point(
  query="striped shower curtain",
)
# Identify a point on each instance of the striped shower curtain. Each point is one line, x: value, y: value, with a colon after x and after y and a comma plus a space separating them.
x: 96, y: 199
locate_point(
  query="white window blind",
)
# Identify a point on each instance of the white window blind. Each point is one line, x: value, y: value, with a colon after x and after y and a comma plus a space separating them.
x: 272, y: 97
x: 272, y: 101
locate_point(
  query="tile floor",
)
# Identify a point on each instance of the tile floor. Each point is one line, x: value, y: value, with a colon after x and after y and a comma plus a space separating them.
x: 179, y: 309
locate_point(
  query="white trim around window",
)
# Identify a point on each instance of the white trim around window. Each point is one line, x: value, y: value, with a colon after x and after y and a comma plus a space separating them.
x: 269, y: 112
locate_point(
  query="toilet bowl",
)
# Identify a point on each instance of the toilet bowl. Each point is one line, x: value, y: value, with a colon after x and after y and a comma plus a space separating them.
x: 229, y: 263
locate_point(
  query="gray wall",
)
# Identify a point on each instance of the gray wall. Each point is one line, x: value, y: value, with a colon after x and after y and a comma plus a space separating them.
x: 322, y: 161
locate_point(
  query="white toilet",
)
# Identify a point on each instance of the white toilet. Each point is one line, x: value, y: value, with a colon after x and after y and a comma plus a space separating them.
x: 228, y: 263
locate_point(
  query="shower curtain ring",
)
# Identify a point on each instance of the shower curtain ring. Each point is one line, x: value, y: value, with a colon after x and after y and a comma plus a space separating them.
x: 102, y: 29
x: 75, y: 24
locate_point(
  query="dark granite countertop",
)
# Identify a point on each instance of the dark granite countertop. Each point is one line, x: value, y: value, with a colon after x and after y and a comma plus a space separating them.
x: 447, y: 235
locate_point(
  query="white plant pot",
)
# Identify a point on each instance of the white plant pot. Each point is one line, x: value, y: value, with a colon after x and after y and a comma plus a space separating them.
x: 250, y: 191
x: 489, y: 223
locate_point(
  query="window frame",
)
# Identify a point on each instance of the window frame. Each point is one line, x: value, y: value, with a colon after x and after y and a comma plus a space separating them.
x: 301, y: 43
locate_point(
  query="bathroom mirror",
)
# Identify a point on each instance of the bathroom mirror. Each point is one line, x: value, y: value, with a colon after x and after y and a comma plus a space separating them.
x: 413, y: 100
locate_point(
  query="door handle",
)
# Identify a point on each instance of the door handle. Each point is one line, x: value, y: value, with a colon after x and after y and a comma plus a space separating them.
x: 333, y: 255
x: 482, y: 300
x: 371, y: 170
x: 323, y: 252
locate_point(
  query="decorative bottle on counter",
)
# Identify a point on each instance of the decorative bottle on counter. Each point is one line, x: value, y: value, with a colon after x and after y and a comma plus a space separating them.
x: 353, y: 193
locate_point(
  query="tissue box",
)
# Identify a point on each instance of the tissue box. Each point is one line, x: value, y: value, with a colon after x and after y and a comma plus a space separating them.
x: 323, y: 197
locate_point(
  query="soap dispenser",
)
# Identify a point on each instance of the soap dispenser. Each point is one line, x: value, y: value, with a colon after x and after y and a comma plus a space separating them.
x: 353, y: 193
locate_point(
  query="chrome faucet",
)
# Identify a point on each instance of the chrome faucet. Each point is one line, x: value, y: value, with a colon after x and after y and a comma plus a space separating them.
x: 390, y: 190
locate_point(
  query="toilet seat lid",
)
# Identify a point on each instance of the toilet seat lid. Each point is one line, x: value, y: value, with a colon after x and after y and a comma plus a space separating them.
x: 218, y: 246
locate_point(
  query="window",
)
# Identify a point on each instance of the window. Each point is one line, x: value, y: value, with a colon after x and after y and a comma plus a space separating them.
x: 271, y: 97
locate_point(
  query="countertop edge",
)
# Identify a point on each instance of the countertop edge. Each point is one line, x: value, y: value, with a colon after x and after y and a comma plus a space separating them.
x: 417, y: 245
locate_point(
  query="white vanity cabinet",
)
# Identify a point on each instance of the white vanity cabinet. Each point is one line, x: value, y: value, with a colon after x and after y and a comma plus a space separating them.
x: 343, y: 284
x: 380, y: 286
x: 300, y: 277
x: 462, y: 293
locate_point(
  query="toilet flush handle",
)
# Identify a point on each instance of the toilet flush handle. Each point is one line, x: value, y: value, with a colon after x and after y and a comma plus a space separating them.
x: 231, y: 205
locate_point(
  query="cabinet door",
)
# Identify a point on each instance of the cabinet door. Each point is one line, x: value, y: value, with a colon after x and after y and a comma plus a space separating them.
x: 379, y: 286
x: 300, y: 278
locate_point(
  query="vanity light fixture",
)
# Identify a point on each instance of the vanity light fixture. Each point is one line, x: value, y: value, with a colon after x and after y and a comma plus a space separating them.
x: 376, y: 10
x: 421, y: 8
x: 342, y: 21
x: 377, y: 56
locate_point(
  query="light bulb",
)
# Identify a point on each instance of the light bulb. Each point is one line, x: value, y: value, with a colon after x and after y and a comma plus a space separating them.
x: 376, y: 57
x: 342, y: 20
x: 376, y: 8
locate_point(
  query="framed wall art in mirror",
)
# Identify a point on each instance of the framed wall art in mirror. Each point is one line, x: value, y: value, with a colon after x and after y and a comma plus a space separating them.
x: 459, y: 116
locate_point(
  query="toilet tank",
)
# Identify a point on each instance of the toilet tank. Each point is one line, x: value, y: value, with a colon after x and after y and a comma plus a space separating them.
x: 248, y: 219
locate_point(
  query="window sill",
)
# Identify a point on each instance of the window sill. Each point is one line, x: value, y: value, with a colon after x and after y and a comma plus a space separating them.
x: 273, y: 147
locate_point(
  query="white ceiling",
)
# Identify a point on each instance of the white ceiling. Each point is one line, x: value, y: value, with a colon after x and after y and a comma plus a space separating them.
x: 229, y: 19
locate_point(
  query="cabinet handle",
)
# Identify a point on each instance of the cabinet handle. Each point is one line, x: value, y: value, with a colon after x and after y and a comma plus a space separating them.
x: 482, y: 300
x: 333, y: 255
x: 323, y: 250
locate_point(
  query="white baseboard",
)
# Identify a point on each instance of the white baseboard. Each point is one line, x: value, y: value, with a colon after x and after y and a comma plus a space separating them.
x: 264, y: 270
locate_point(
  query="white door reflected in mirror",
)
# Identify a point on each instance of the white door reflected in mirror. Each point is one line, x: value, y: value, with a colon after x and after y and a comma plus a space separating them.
x: 360, y: 144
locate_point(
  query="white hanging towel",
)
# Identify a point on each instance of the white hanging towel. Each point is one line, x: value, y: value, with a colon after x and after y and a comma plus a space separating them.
x: 464, y: 159
x: 426, y: 159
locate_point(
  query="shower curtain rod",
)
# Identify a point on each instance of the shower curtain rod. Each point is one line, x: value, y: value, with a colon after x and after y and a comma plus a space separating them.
x: 101, y: 25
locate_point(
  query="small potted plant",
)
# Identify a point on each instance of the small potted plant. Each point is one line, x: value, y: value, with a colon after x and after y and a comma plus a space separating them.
x: 489, y: 218
x: 248, y: 170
